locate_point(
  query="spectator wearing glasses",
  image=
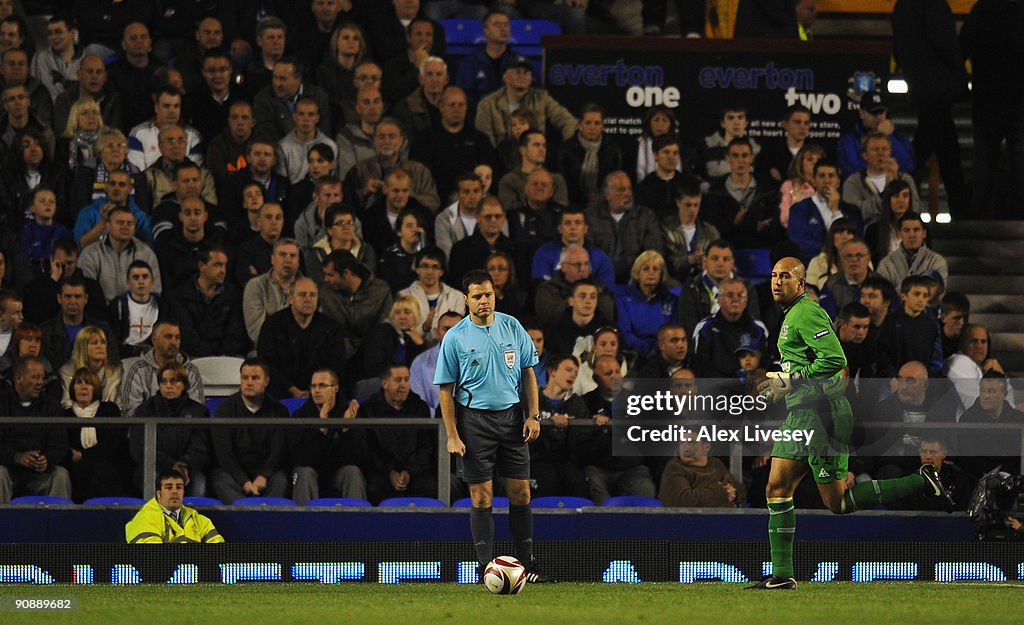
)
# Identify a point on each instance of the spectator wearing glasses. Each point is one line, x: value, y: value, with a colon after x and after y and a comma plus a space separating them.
x: 341, y: 224
x: 843, y: 287
x: 488, y: 238
x: 326, y: 459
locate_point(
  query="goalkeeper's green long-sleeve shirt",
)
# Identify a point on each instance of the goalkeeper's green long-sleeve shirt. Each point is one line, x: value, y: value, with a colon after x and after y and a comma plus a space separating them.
x: 809, y: 347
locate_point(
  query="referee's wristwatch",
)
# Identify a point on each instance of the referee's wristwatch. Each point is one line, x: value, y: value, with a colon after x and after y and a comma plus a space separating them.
x: 536, y: 416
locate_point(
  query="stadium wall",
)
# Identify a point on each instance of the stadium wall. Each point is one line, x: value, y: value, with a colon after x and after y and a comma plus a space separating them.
x: 611, y: 561
x: 99, y: 524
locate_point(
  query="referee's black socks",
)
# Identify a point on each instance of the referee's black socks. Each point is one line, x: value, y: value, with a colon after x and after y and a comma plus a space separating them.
x: 481, y: 524
x: 520, y: 523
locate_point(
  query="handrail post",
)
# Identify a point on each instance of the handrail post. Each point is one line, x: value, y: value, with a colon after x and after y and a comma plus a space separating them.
x: 149, y: 459
x: 444, y: 466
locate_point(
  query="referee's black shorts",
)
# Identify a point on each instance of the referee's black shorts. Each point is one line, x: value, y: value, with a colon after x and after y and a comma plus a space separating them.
x: 493, y: 439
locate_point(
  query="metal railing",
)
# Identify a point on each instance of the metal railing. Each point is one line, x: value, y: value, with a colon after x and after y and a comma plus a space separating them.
x: 150, y: 425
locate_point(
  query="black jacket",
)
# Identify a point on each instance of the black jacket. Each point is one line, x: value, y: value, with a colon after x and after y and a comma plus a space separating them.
x: 382, y: 346
x: 57, y: 344
x: 553, y: 444
x: 245, y: 452
x: 570, y: 165
x: 399, y: 449
x: 448, y: 155
x: 325, y: 452
x: 14, y: 439
x: 472, y: 253
x: 593, y: 446
x: 294, y: 353
x: 209, y: 116
x: 173, y: 443
x: 178, y: 256
x: 40, y: 299
x: 214, y: 327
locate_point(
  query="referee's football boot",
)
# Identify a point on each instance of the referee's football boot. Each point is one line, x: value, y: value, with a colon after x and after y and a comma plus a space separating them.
x: 935, y: 488
x: 774, y: 583
x: 535, y: 576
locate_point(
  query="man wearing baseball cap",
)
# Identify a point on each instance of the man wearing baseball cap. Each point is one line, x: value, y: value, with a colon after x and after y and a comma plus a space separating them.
x: 873, y: 116
x: 494, y: 112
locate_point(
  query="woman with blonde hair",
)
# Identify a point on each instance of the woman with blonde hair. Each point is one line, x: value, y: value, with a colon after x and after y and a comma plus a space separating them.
x: 77, y: 144
x: 394, y: 341
x: 646, y: 303
x: 334, y: 75
x: 90, y: 352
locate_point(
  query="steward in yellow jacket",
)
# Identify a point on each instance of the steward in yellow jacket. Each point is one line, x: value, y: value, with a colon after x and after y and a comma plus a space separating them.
x: 164, y: 519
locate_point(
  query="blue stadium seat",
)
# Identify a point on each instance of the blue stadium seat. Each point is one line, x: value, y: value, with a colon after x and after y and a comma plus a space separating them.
x: 754, y: 264
x: 213, y: 402
x: 467, y: 502
x: 42, y: 500
x: 115, y: 501
x: 562, y: 502
x: 365, y: 388
x: 263, y: 501
x: 463, y: 35
x: 293, y: 404
x: 526, y: 35
x: 631, y: 501
x: 349, y: 502
x: 203, y: 501
x: 412, y: 502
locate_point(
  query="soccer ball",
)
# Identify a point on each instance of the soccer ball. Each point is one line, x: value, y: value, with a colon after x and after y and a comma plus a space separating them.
x: 505, y: 575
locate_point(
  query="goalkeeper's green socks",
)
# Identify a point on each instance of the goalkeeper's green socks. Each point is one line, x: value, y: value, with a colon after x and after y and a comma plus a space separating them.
x: 781, y: 532
x: 869, y: 494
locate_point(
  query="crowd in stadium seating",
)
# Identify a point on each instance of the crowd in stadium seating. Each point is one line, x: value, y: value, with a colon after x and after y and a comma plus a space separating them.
x: 305, y: 186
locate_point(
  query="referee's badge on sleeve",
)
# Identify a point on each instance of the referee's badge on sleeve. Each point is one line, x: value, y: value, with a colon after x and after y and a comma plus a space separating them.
x: 510, y: 358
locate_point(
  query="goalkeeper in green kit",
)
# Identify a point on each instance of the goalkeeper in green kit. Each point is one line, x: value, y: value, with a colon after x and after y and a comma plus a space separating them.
x: 812, y: 385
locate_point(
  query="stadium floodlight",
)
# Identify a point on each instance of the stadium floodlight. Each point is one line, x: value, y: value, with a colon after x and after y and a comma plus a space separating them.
x: 943, y: 218
x: 897, y: 85
x: 926, y: 218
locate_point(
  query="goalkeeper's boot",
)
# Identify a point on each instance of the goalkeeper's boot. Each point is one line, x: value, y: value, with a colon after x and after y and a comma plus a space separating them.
x: 535, y: 576
x: 935, y: 488
x: 774, y: 583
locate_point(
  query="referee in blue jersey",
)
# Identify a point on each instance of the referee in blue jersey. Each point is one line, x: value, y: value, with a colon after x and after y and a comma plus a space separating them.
x: 486, y: 362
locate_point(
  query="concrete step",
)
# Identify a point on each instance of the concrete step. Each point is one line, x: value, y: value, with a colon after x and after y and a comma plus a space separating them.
x: 990, y: 249
x: 997, y: 303
x: 975, y: 229
x: 995, y: 285
x: 1004, y: 322
x: 973, y: 265
x: 1008, y: 341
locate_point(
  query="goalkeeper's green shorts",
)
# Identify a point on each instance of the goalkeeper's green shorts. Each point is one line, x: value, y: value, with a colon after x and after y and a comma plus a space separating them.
x: 828, y: 452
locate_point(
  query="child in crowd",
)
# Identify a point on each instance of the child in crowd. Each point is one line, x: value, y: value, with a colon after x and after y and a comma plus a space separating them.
x: 40, y: 231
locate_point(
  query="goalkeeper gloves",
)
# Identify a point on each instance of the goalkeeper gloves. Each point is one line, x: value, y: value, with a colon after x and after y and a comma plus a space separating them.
x: 778, y: 385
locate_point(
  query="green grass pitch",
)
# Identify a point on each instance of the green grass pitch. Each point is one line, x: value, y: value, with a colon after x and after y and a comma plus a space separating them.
x: 908, y: 603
